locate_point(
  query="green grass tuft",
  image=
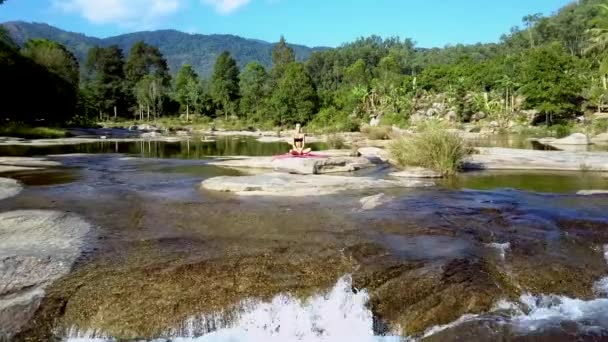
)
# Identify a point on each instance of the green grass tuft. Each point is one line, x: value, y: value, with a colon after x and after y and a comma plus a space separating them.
x: 28, y: 132
x: 434, y: 149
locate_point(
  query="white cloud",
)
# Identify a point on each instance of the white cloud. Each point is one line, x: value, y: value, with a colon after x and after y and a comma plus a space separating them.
x: 226, y: 6
x: 131, y: 13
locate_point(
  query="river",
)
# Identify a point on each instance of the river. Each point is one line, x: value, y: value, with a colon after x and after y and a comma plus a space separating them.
x: 483, y: 256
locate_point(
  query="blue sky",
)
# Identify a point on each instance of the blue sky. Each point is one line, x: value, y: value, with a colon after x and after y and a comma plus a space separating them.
x: 311, y: 22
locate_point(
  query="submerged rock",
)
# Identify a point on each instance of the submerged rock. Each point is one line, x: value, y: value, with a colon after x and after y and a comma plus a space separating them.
x: 9, y: 188
x: 417, y: 172
x: 36, y: 248
x: 12, y: 164
x: 373, y: 202
x: 278, y: 184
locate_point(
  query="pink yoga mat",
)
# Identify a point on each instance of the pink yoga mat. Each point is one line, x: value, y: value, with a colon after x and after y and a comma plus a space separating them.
x: 309, y: 155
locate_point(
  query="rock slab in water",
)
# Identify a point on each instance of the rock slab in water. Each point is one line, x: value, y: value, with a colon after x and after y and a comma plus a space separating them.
x: 281, y: 184
x: 303, y: 166
x: 517, y: 159
x: 375, y: 153
x: 316, y: 166
x: 574, y: 139
x: 9, y: 188
x: 417, y: 172
x: 36, y: 248
x: 592, y: 192
x: 12, y: 164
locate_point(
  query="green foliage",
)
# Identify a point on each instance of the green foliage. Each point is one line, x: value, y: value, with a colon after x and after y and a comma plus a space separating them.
x: 186, y: 89
x: 335, y: 141
x: 254, y: 88
x: 600, y: 126
x: 294, y: 99
x: 18, y: 130
x: 331, y: 120
x: 434, y: 149
x: 55, y: 57
x: 30, y: 92
x: 550, y: 81
x: 151, y: 94
x: 144, y: 60
x: 179, y: 48
x: 225, y: 83
x: 282, y: 57
x: 106, y: 80
x: 377, y: 133
x: 556, y: 65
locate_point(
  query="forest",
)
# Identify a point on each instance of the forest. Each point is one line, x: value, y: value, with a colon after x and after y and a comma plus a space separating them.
x: 548, y: 71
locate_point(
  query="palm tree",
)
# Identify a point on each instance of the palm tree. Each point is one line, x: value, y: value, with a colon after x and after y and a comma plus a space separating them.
x: 599, y: 33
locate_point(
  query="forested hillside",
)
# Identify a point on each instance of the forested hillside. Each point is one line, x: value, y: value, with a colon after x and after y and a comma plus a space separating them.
x: 549, y: 70
x: 178, y: 47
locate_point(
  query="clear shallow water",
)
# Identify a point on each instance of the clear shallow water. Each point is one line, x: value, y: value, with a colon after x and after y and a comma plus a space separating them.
x: 152, y: 219
x: 524, y: 142
x: 535, y: 181
x: 194, y: 148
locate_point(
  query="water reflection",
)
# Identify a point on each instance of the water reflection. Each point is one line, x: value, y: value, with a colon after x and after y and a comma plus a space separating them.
x: 547, y: 182
x: 186, y: 149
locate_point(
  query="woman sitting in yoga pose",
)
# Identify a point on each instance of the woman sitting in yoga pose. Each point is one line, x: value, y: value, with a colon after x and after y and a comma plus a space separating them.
x: 299, y: 144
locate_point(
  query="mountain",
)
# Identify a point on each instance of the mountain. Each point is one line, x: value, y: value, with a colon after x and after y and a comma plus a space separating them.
x: 178, y: 47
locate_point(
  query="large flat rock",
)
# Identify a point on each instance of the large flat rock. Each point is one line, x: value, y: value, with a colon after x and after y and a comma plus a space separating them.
x: 36, y: 248
x: 282, y: 184
x: 515, y: 159
x: 336, y: 161
x: 574, y: 139
x: 9, y: 188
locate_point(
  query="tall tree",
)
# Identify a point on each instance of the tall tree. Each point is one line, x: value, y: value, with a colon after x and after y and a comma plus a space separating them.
x: 254, y: 89
x: 56, y: 57
x: 185, y: 80
x: 550, y: 82
x: 144, y: 60
x: 294, y: 99
x: 282, y: 56
x: 151, y: 92
x: 529, y: 22
x: 105, y: 73
x: 225, y: 83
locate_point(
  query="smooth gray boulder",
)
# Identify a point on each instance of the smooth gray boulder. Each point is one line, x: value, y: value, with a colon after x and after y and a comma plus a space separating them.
x: 317, y: 166
x: 574, y: 139
x: 36, y: 248
x: 518, y: 159
x: 416, y: 172
x: 375, y: 153
x: 303, y: 166
x: 9, y: 188
x: 291, y: 185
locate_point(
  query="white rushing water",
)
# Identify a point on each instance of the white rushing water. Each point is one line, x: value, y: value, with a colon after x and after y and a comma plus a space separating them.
x: 342, y: 315
x: 339, y: 315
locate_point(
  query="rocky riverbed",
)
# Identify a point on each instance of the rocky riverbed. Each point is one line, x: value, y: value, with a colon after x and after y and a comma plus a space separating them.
x: 116, y: 246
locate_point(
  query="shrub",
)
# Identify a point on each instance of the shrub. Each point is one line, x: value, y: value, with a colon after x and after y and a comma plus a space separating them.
x: 335, y: 141
x: 377, y: 133
x: 600, y: 126
x: 434, y: 149
x: 331, y: 120
x: 27, y: 132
